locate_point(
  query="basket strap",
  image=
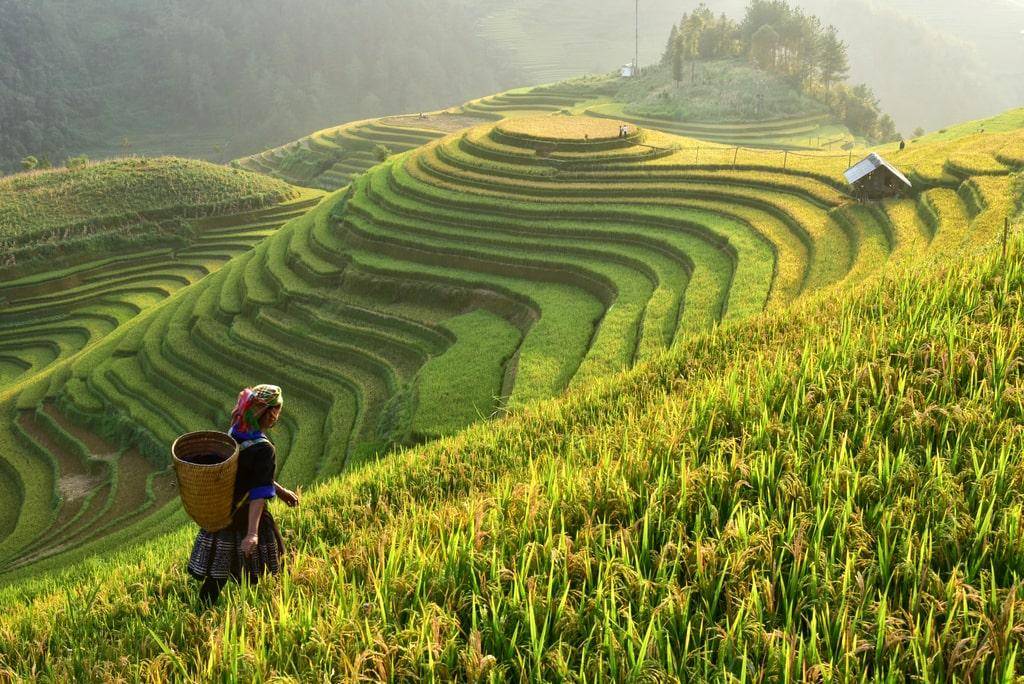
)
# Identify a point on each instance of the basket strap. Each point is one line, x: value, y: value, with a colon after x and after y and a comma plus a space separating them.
x: 245, y: 500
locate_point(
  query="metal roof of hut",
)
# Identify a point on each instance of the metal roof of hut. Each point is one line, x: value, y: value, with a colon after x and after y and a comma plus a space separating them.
x: 868, y: 165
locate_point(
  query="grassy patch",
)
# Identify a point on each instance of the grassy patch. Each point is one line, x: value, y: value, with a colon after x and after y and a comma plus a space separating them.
x: 123, y: 203
x: 464, y: 384
x: 727, y: 90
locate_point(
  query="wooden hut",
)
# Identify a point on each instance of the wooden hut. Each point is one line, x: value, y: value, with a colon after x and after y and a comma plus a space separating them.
x: 875, y: 178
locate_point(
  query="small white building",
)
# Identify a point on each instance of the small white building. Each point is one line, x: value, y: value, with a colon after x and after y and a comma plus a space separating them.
x: 627, y: 71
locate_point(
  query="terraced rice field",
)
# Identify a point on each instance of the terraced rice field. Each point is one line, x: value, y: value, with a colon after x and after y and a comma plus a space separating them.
x: 49, y: 316
x: 329, y: 159
x: 556, y: 97
x: 813, y: 132
x: 77, y: 485
x: 60, y: 217
x: 478, y: 273
x: 332, y: 158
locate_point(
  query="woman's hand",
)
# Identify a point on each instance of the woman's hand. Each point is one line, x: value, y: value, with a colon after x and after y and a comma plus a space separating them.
x: 249, y: 543
x: 290, y: 498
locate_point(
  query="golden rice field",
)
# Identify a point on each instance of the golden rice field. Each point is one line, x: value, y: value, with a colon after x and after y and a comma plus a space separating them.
x: 742, y: 425
x: 561, y: 128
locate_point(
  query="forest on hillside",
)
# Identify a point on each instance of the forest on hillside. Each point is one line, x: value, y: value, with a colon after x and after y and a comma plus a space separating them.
x: 252, y: 73
x: 781, y: 39
x: 933, y: 64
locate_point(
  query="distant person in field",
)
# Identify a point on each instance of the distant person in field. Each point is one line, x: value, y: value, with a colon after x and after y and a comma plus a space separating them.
x: 251, y: 545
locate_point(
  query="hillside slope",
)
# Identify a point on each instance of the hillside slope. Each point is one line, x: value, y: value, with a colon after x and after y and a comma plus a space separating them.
x: 550, y: 41
x: 123, y: 204
x: 219, y: 80
x: 94, y: 249
x: 831, y: 491
x: 483, y: 271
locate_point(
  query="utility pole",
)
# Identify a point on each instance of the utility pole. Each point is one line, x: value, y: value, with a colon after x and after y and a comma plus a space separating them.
x: 636, y: 52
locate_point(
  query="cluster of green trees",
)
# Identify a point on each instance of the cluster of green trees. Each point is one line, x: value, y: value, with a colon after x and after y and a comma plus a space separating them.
x: 784, y: 40
x: 78, y: 77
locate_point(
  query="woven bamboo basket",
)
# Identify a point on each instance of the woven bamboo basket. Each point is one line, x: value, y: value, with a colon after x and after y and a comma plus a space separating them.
x: 206, y: 464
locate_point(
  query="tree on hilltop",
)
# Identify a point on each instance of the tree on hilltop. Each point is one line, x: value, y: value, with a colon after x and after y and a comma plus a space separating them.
x: 702, y: 35
x: 860, y: 109
x: 29, y: 163
x: 834, y: 65
x: 689, y: 36
x: 886, y: 129
x: 720, y: 38
x: 799, y: 37
x: 670, y: 47
x: 784, y: 40
x: 761, y: 13
x: 677, y: 66
x: 764, y: 46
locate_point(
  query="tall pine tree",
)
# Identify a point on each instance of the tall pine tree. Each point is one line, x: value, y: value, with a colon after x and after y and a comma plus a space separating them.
x: 677, y: 66
x: 764, y: 46
x: 671, y: 47
x: 834, y: 65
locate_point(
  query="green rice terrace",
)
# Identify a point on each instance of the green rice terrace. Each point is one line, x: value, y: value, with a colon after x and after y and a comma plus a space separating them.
x: 119, y: 238
x: 66, y: 215
x: 331, y: 158
x: 510, y: 254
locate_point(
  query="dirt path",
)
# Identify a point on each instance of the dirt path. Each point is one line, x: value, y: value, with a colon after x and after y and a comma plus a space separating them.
x: 447, y: 123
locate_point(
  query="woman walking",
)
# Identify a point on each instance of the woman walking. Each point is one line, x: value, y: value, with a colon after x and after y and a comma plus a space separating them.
x: 251, y: 545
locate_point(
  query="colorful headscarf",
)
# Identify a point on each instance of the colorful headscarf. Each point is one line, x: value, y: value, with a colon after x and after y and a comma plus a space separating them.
x: 252, y: 402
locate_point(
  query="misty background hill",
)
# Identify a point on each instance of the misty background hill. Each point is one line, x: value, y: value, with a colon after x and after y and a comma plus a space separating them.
x: 219, y: 80
x: 931, y: 62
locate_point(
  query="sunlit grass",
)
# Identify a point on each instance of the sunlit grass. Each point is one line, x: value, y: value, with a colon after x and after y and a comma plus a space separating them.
x: 42, y: 209
x: 834, y: 489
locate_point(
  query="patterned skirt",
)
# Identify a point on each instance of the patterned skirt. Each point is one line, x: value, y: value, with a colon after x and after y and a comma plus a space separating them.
x: 219, y: 554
